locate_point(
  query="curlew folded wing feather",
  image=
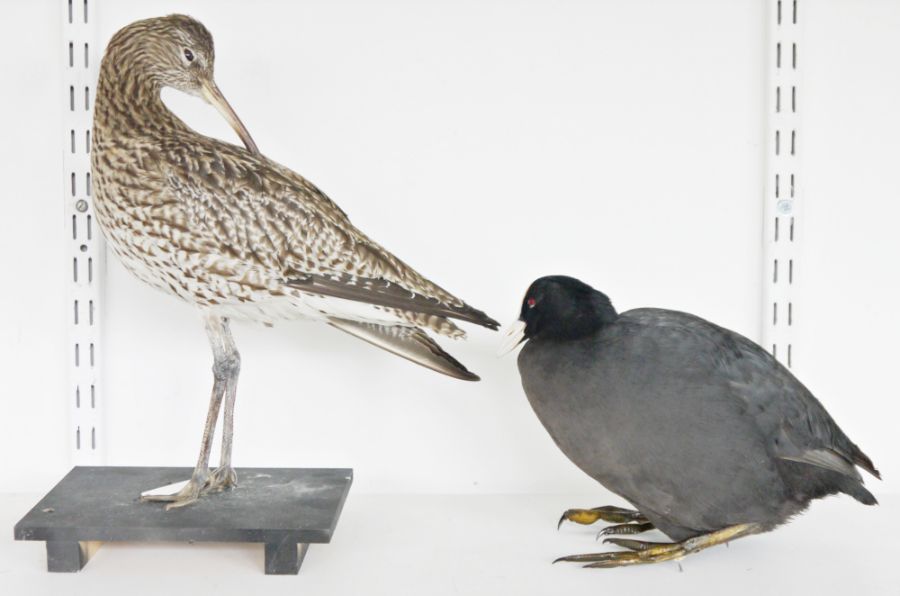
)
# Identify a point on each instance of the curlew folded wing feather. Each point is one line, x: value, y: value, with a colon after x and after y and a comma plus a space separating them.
x: 388, y: 294
x: 408, y: 342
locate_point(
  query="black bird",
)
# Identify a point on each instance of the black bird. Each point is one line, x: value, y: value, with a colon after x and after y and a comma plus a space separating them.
x: 702, y: 430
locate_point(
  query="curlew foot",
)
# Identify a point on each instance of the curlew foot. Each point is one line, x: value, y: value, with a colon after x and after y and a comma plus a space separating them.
x: 188, y: 494
x: 201, y: 483
x: 642, y: 553
x: 222, y: 477
x: 609, y: 513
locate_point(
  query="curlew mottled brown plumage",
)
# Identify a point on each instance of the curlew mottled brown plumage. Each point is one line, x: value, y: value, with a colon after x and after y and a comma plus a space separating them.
x: 236, y: 234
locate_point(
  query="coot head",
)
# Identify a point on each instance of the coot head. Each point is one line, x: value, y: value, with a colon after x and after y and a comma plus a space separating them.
x: 559, y: 307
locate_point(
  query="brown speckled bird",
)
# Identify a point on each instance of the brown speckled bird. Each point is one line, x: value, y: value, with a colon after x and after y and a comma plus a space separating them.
x: 239, y: 236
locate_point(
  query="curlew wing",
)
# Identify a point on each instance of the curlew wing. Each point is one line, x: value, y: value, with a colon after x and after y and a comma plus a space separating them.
x: 269, y: 219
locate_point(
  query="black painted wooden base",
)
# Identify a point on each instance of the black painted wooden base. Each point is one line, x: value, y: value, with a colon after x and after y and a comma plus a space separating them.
x: 286, y: 509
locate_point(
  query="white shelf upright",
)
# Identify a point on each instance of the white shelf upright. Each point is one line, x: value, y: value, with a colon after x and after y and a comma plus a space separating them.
x: 783, y: 184
x: 85, y: 254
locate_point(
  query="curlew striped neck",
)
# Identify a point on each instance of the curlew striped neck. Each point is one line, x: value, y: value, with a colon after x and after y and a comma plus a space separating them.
x: 128, y: 103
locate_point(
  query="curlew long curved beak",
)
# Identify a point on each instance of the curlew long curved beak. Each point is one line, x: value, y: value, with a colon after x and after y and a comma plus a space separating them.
x: 214, y: 97
x: 515, y: 334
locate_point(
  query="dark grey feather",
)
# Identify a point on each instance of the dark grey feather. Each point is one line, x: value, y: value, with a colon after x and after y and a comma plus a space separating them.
x: 828, y: 459
x: 408, y: 342
x: 388, y: 294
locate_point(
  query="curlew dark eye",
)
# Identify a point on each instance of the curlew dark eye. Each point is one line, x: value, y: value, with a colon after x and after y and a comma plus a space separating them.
x: 189, y: 55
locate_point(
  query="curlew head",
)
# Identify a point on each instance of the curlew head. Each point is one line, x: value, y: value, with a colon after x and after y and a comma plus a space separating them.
x: 174, y: 51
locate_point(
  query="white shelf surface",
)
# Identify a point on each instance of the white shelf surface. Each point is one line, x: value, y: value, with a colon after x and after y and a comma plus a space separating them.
x: 478, y: 544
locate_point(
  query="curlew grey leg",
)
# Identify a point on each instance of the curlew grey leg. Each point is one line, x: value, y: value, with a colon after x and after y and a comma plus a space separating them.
x: 224, y: 476
x: 225, y: 365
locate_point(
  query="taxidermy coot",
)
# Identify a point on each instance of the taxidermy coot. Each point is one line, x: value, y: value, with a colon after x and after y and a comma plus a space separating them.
x: 702, y: 430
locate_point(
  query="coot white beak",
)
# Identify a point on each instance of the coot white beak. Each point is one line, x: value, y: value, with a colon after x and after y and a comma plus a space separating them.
x: 515, y: 334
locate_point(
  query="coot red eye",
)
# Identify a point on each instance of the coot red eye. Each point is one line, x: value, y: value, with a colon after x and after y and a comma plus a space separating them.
x: 530, y: 302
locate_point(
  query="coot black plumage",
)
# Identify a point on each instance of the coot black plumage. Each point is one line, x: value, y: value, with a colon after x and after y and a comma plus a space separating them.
x: 702, y: 430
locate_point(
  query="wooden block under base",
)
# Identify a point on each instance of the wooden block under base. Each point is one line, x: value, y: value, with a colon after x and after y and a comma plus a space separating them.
x: 284, y: 558
x: 66, y: 556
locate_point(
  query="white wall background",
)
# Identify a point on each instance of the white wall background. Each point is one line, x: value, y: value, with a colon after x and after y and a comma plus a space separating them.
x: 486, y: 143
x: 850, y: 285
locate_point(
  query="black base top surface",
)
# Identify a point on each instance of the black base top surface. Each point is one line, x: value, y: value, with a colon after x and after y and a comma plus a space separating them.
x: 102, y: 503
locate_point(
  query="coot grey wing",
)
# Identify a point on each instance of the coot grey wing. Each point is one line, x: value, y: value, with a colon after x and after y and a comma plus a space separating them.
x: 785, y: 410
x: 796, y: 423
x: 758, y: 416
